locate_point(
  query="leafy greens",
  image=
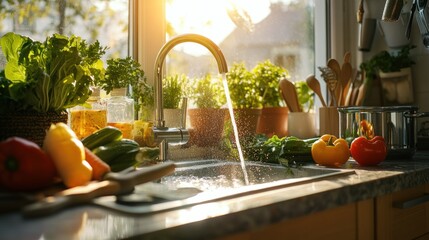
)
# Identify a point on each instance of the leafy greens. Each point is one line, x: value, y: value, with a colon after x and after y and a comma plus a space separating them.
x: 48, y: 76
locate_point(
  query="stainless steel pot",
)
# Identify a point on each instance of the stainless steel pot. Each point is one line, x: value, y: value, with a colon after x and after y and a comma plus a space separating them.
x: 397, y: 124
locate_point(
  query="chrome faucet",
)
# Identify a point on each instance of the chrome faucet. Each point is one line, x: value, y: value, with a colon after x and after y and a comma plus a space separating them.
x: 163, y: 134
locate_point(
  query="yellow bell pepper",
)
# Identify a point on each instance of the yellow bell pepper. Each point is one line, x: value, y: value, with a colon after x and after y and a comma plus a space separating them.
x: 68, y: 154
x: 330, y: 151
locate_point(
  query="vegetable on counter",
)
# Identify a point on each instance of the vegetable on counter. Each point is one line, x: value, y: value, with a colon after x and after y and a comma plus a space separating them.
x: 52, y: 75
x: 24, y: 166
x: 99, y: 167
x: 119, y: 153
x: 68, y: 154
x: 275, y: 149
x: 102, y: 137
x: 330, y: 151
x: 368, y: 152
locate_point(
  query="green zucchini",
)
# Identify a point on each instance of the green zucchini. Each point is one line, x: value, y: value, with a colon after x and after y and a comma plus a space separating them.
x: 112, y: 150
x: 102, y: 137
x: 124, y: 161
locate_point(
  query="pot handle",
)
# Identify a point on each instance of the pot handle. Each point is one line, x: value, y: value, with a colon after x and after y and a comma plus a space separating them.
x: 416, y: 115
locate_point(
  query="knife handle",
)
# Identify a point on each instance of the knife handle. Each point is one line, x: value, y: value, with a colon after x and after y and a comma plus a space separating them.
x: 70, y: 197
x: 141, y: 175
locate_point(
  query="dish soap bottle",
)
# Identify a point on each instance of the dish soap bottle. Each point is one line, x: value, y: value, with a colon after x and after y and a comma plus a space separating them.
x: 87, y: 119
x: 120, y: 112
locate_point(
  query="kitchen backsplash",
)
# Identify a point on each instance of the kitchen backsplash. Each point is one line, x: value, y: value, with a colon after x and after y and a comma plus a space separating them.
x: 420, y: 71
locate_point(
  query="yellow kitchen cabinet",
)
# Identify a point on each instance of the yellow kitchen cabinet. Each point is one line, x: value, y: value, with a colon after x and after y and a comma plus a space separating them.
x: 403, y: 214
x: 352, y: 221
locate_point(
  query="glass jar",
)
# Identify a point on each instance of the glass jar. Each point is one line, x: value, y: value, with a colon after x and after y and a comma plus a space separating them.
x: 120, y: 112
x: 87, y: 119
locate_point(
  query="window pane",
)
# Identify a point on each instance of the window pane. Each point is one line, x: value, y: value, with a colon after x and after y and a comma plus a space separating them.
x: 102, y: 20
x: 246, y: 31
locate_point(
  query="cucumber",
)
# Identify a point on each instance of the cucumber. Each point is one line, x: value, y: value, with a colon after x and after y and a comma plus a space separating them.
x: 102, y: 137
x: 112, y: 150
x: 124, y: 161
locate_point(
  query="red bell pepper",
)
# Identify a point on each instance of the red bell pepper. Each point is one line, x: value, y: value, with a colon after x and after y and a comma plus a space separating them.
x: 24, y: 166
x: 368, y: 152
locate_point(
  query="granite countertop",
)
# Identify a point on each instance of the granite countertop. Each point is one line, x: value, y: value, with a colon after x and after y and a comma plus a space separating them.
x: 228, y: 215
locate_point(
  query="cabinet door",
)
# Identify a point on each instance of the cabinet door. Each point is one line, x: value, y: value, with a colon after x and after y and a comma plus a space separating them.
x: 403, y: 215
x: 337, y: 223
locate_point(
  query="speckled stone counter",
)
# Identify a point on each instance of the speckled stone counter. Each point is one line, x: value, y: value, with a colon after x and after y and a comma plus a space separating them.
x: 223, y: 217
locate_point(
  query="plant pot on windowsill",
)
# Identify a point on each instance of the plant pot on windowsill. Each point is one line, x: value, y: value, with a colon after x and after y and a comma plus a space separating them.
x: 273, y: 121
x: 206, y: 126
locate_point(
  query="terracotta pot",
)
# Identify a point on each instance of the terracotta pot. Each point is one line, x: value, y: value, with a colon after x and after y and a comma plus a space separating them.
x: 206, y: 126
x: 29, y: 125
x: 247, y: 121
x: 273, y: 121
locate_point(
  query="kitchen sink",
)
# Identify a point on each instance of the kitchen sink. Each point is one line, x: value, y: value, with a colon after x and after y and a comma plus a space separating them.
x: 214, y: 175
x: 202, y: 181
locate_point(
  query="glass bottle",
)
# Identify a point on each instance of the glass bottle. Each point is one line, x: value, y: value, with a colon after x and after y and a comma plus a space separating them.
x: 87, y: 119
x: 120, y: 112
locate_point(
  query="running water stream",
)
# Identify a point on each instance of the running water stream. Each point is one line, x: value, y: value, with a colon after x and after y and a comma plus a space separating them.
x: 234, y: 127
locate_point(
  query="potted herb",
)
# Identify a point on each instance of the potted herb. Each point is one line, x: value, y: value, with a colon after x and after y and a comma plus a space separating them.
x: 173, y: 93
x: 41, y: 80
x: 272, y: 120
x: 121, y: 74
x: 207, y: 118
x: 393, y: 69
x: 245, y: 97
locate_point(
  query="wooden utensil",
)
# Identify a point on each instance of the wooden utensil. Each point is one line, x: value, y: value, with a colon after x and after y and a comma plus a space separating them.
x: 314, y: 85
x: 348, y: 99
x: 335, y: 66
x: 346, y: 73
x: 114, y: 183
x: 331, y: 81
x: 289, y: 94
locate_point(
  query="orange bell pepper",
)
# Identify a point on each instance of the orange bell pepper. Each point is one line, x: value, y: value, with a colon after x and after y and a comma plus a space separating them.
x: 330, y: 151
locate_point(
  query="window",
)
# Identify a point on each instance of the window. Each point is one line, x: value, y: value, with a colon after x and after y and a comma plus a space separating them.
x: 103, y: 20
x: 157, y: 21
x: 281, y: 31
x: 249, y: 31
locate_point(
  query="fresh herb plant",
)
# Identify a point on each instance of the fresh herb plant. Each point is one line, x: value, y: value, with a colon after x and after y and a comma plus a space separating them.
x: 52, y: 75
x: 267, y: 76
x: 387, y: 62
x: 126, y: 72
x: 208, y: 92
x: 174, y: 90
x: 243, y: 88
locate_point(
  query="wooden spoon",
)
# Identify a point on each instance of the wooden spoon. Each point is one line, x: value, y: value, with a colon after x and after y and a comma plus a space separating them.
x: 346, y: 74
x: 314, y: 85
x: 336, y: 68
x: 289, y: 95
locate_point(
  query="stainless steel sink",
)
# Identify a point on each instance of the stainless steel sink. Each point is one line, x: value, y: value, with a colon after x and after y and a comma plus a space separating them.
x: 202, y: 181
x: 213, y: 175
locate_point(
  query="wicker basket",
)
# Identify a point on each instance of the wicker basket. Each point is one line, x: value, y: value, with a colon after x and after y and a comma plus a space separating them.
x: 29, y: 125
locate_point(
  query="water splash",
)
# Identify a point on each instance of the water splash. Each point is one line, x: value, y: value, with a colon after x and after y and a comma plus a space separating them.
x: 234, y: 127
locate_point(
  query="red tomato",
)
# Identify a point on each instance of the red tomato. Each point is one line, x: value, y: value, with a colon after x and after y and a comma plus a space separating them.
x: 368, y: 152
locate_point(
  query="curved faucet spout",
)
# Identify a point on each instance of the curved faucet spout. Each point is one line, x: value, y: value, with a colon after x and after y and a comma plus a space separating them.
x: 162, y: 54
